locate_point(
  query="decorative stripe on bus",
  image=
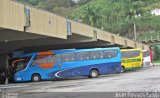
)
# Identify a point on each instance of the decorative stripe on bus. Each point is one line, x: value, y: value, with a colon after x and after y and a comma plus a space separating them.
x: 131, y: 60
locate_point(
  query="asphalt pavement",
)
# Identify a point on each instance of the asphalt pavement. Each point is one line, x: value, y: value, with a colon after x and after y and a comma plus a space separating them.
x: 142, y: 80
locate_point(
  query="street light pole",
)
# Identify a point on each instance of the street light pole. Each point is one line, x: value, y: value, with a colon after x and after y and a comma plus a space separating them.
x: 135, y: 32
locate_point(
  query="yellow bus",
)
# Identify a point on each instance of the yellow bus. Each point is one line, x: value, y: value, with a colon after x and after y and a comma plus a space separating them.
x: 131, y: 59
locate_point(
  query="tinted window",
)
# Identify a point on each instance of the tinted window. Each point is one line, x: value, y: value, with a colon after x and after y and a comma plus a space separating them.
x: 96, y: 54
x: 20, y: 64
x: 68, y: 57
x: 82, y: 56
x: 130, y: 54
x: 52, y: 58
x: 43, y: 59
x: 146, y: 53
x: 110, y: 53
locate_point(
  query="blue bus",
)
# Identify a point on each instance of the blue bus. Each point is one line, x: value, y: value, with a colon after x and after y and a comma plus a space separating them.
x: 67, y: 63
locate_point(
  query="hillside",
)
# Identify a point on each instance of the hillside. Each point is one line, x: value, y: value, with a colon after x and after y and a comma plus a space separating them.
x: 116, y: 16
x: 61, y: 7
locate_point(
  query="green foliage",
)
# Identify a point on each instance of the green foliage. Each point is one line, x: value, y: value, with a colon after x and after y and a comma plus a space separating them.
x: 156, y: 62
x: 61, y: 7
x: 157, y: 51
x: 118, y: 16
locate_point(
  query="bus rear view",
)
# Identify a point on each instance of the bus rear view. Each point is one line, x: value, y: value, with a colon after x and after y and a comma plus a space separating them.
x: 131, y: 59
x: 147, y: 62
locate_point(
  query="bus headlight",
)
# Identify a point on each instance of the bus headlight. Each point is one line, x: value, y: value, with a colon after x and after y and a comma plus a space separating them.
x: 19, y: 79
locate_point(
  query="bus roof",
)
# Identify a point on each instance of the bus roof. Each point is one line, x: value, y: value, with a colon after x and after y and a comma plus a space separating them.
x: 69, y: 50
x: 145, y: 50
x: 83, y: 50
x: 131, y: 49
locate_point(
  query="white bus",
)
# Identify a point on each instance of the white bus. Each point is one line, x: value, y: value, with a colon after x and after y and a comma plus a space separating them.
x: 147, y: 62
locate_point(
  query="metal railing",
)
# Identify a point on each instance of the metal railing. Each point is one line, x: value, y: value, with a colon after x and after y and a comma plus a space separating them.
x: 149, y: 38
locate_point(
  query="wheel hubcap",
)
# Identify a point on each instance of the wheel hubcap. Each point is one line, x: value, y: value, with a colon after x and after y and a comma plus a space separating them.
x: 94, y: 74
x: 36, y: 78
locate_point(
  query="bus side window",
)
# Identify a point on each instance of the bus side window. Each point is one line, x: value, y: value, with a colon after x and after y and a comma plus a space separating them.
x: 130, y: 54
x: 43, y: 59
x: 82, y: 56
x: 136, y: 53
x: 110, y: 53
x: 68, y: 57
x: 52, y: 58
x: 96, y: 55
x: 39, y: 59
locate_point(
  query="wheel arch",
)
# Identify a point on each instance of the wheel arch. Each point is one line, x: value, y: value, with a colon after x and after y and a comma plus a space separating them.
x: 36, y: 74
x: 124, y: 68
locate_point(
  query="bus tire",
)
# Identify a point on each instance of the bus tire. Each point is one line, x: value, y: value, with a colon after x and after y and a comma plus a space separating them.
x: 93, y: 73
x: 123, y: 70
x: 36, y: 78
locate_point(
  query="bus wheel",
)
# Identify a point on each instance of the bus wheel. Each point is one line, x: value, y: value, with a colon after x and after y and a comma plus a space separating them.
x: 123, y: 70
x: 93, y: 73
x: 36, y: 78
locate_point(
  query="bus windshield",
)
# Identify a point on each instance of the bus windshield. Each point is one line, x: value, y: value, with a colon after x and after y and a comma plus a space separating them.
x: 20, y: 64
x: 146, y: 53
x: 130, y: 54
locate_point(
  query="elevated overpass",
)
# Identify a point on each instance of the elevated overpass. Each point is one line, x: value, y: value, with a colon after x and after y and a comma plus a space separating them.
x: 31, y: 29
x: 151, y: 41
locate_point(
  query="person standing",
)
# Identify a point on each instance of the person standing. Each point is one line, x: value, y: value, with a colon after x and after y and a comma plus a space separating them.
x: 3, y: 77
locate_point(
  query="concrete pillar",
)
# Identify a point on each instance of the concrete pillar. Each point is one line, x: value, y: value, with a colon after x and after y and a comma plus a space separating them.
x: 2, y: 62
x: 7, y: 66
x: 135, y: 45
x: 112, y: 39
x: 94, y: 35
x: 125, y: 43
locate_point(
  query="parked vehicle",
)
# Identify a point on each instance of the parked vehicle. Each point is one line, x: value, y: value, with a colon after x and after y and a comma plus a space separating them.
x: 67, y: 63
x: 131, y: 59
x: 147, y: 62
